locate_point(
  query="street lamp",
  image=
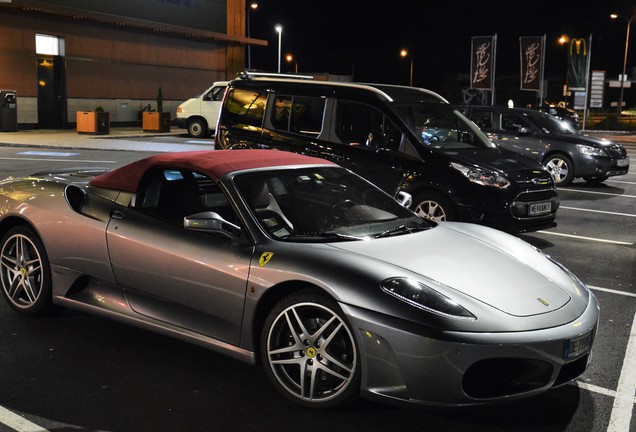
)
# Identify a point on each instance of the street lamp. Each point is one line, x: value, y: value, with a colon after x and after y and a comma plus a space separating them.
x: 279, y: 30
x: 290, y: 58
x: 563, y: 41
x: 622, y: 80
x: 404, y: 53
x: 253, y: 6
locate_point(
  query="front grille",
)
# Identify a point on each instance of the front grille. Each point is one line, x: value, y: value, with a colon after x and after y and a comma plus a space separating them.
x: 617, y: 151
x: 535, y: 196
x: 500, y: 377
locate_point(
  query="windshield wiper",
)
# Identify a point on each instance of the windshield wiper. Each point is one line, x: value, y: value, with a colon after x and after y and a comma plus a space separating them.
x: 403, y: 229
x: 326, y: 234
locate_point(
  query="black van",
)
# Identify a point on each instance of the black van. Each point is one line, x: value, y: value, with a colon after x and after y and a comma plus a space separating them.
x: 401, y: 139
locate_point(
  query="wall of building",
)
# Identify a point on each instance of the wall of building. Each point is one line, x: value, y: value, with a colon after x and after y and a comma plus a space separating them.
x: 111, y: 66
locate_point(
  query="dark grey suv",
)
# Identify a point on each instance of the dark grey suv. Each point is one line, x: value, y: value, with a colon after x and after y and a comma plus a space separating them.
x: 566, y: 153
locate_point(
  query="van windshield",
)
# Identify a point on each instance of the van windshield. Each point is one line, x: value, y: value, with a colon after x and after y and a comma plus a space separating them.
x: 441, y: 126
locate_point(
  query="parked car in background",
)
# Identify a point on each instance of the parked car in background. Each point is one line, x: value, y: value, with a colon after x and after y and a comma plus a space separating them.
x: 566, y: 153
x: 294, y: 262
x: 199, y: 114
x: 401, y: 139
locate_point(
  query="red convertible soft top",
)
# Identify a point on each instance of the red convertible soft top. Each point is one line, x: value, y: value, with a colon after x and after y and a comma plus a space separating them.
x: 214, y: 163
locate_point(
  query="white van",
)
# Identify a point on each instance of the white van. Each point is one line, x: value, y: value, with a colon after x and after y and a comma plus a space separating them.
x: 199, y: 114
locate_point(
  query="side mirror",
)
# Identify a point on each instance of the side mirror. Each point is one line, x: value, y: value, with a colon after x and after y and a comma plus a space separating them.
x: 404, y: 199
x: 211, y: 222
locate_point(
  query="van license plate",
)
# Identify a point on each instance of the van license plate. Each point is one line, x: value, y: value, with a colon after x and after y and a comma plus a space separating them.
x: 539, y: 208
x: 577, y: 346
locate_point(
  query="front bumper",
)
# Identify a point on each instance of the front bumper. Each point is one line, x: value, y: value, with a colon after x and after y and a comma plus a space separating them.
x: 457, y: 368
x: 512, y: 216
x: 592, y: 166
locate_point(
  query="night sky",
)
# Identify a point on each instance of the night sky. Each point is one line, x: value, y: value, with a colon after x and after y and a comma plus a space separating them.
x: 364, y: 38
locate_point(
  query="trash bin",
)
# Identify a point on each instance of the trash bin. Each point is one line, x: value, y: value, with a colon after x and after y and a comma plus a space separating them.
x: 8, y: 111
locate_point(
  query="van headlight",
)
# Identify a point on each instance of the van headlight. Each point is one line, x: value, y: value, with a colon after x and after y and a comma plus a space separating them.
x: 590, y: 151
x: 424, y: 297
x: 482, y: 176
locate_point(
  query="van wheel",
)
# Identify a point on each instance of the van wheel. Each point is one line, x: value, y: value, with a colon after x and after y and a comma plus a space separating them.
x: 197, y: 128
x: 434, y: 206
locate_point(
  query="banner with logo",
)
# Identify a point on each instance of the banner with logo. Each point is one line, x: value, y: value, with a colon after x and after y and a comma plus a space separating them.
x: 578, y: 52
x: 482, y: 64
x: 532, y: 61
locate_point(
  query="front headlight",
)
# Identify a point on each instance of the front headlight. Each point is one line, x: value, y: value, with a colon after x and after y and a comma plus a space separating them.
x: 482, y: 176
x: 424, y: 297
x: 590, y: 151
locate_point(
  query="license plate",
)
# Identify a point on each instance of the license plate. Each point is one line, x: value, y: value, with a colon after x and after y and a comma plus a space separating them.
x: 622, y: 162
x: 539, y: 208
x: 577, y: 346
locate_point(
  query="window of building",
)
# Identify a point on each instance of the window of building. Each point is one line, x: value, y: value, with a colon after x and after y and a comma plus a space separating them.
x: 49, y: 45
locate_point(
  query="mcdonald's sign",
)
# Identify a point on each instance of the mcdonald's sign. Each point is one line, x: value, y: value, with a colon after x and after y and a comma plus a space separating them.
x: 577, y: 63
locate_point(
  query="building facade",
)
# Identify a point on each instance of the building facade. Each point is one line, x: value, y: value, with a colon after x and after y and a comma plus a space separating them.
x: 65, y: 56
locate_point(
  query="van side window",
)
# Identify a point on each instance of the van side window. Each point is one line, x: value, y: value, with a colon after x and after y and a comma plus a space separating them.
x: 302, y: 115
x: 363, y: 125
x: 245, y: 107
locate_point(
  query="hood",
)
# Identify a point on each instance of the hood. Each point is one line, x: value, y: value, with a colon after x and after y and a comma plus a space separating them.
x: 578, y: 138
x: 513, y: 166
x: 488, y: 265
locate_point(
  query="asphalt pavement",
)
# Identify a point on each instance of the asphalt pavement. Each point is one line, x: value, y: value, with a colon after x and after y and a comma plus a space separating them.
x: 135, y: 139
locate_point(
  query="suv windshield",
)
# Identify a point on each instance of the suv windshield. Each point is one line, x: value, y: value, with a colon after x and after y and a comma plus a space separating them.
x: 441, y: 126
x: 322, y: 204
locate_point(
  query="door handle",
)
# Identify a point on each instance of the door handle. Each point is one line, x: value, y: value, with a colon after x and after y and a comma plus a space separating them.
x: 116, y: 214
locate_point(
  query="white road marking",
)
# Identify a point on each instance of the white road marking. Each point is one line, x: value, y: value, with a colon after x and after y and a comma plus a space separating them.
x: 624, y: 402
x: 598, y: 211
x: 619, y: 181
x: 17, y: 422
x: 57, y: 160
x: 612, y: 291
x: 586, y: 238
x: 596, y: 193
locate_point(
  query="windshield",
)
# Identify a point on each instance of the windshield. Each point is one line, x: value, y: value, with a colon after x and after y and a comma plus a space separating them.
x: 550, y: 124
x: 321, y: 204
x: 441, y: 126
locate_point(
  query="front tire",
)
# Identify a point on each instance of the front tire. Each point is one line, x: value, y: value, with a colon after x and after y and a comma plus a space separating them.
x: 197, y: 128
x: 309, y: 351
x: 560, y: 168
x: 433, y: 206
x: 25, y: 271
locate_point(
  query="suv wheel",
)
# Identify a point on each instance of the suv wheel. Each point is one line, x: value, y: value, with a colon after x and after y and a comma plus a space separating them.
x: 560, y: 168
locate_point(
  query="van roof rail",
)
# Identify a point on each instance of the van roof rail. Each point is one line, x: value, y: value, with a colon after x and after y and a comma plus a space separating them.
x: 250, y: 75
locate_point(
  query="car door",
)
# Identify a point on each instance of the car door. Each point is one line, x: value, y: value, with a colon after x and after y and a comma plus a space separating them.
x: 211, y: 105
x: 190, y: 279
x: 371, y: 144
x: 507, y: 129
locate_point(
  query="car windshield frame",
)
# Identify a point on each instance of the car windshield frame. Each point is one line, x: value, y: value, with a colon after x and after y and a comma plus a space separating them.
x: 322, y: 204
x: 441, y: 126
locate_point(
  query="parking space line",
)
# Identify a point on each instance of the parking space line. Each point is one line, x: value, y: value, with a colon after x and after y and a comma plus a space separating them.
x: 596, y: 193
x: 17, y: 422
x: 598, y: 211
x: 619, y: 181
x: 586, y: 238
x: 612, y: 291
x: 624, y: 402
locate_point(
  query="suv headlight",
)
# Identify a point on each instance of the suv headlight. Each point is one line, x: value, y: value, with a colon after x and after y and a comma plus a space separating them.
x: 482, y: 176
x: 590, y: 151
x: 424, y: 297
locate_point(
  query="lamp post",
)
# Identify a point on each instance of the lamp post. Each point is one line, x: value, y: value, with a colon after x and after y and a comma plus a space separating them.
x: 622, y: 80
x: 404, y: 53
x: 279, y: 30
x: 290, y: 58
x: 253, y: 6
x: 563, y: 41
